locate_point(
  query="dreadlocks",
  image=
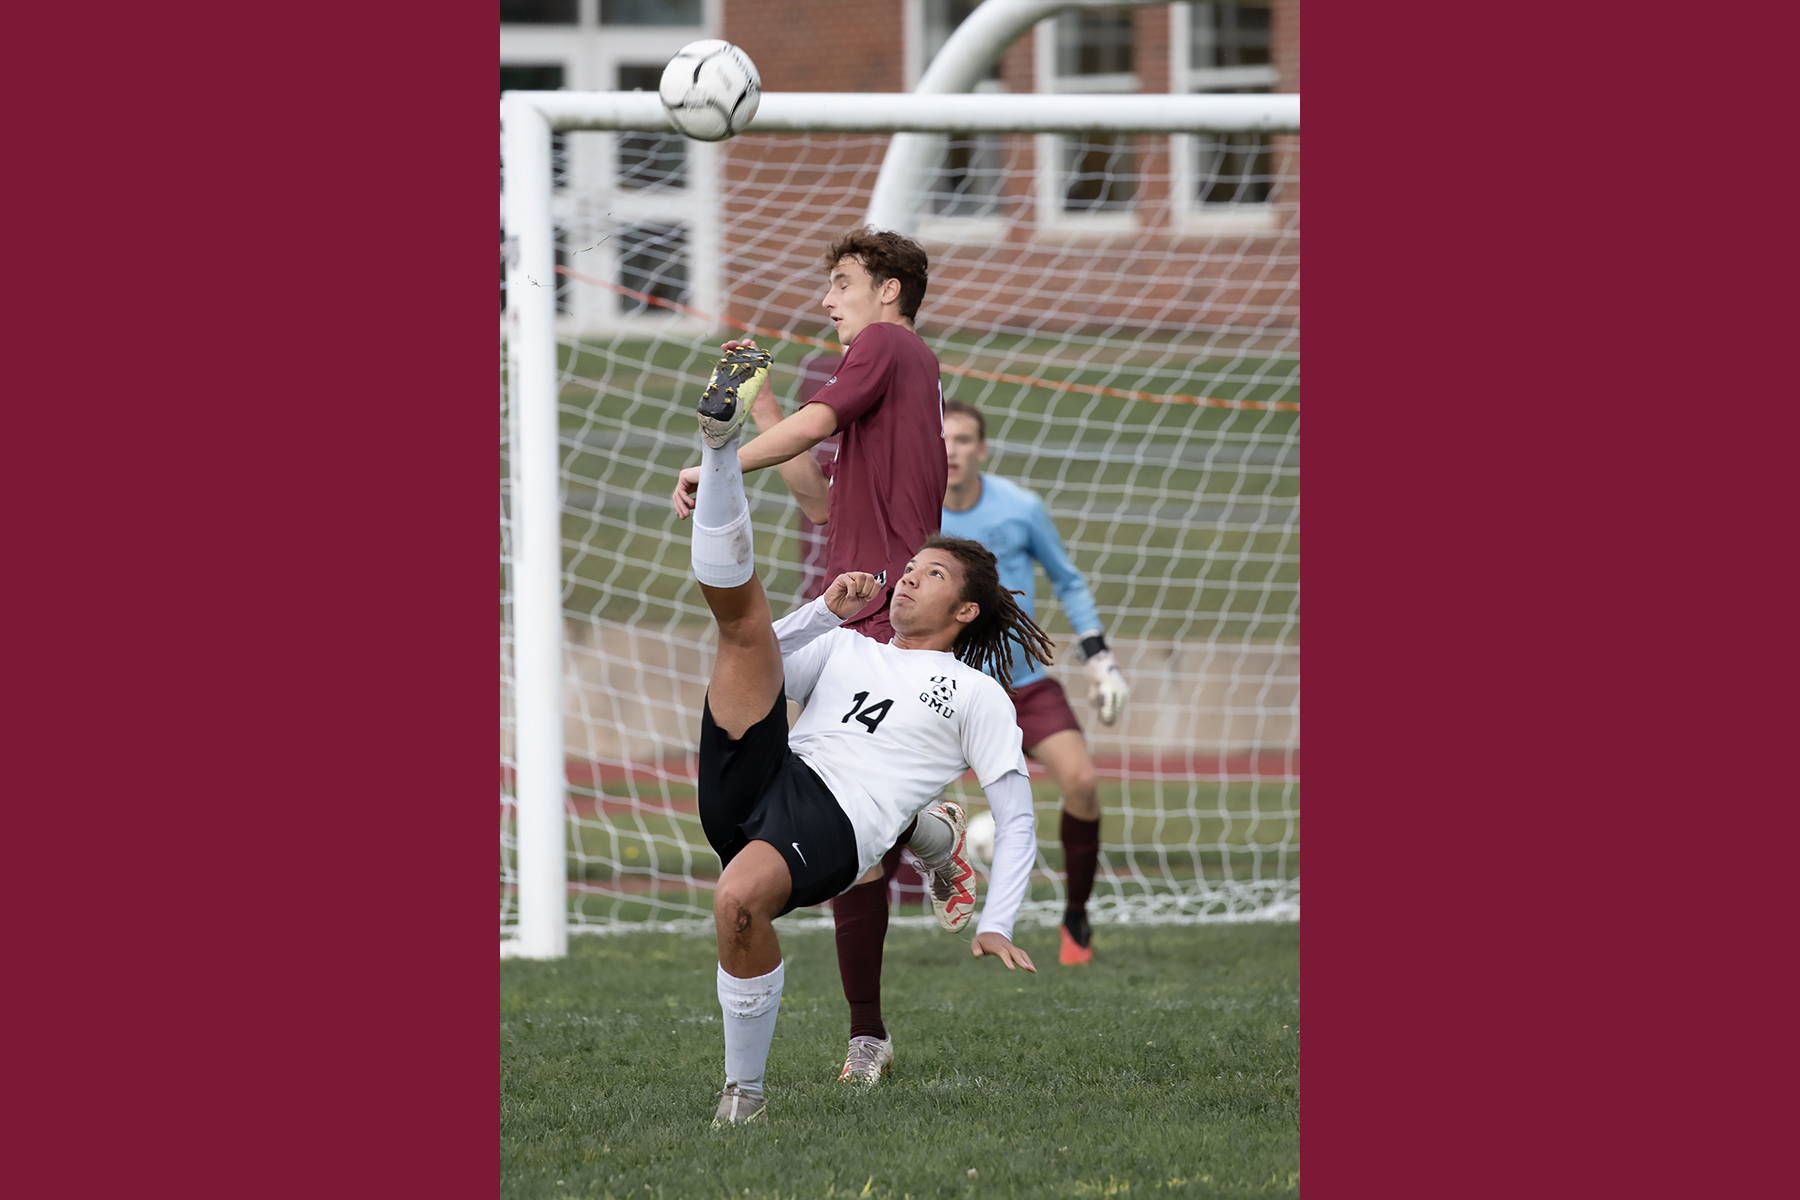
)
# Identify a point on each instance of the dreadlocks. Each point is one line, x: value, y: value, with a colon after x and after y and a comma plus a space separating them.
x: 986, y: 643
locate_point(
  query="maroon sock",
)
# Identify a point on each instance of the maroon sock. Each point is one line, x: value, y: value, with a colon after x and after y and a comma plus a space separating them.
x: 1081, y: 855
x: 861, y: 918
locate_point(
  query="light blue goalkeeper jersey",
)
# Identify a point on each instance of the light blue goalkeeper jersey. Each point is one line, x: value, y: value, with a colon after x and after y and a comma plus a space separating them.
x: 1014, y: 524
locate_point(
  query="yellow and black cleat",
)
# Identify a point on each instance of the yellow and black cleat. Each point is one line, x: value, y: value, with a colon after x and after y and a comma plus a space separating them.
x: 725, y: 404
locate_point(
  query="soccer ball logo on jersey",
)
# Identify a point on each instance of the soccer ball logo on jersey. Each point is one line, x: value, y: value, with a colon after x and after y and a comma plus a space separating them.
x: 941, y: 698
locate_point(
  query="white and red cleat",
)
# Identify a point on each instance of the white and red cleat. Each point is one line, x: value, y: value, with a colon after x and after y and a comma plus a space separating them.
x: 868, y: 1059
x: 952, y: 886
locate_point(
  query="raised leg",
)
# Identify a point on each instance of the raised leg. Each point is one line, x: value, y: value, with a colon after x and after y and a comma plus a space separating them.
x: 747, y: 675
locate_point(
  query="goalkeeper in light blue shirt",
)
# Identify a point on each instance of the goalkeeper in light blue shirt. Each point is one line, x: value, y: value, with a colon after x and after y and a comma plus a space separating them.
x: 1013, y: 523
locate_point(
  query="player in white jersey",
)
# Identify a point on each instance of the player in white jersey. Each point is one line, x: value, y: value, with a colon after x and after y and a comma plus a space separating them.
x: 797, y: 818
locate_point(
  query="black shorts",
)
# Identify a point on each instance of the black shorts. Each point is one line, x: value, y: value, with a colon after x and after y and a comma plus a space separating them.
x: 755, y: 789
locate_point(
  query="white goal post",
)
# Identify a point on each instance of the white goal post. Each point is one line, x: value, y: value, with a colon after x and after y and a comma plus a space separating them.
x: 535, y: 451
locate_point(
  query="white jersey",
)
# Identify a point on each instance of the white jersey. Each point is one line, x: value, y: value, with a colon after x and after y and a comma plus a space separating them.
x: 887, y: 729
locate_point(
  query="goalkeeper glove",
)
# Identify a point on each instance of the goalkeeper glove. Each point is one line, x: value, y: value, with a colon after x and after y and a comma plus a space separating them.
x: 1106, y: 686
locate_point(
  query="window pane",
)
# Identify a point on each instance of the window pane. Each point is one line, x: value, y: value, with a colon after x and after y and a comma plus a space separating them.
x: 1093, y: 42
x: 541, y: 77
x: 1100, y: 172
x: 968, y: 182
x: 1230, y: 35
x: 942, y: 17
x: 649, y: 12
x: 531, y: 77
x: 653, y: 259
x: 648, y: 160
x: 1233, y: 168
x: 539, y: 12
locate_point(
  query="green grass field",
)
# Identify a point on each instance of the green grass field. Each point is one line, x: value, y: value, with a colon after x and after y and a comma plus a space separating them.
x: 1169, y: 1066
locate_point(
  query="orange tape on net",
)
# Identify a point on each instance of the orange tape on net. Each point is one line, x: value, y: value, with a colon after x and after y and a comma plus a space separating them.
x: 1053, y: 385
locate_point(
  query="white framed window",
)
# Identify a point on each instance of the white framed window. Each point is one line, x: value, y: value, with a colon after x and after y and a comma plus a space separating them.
x: 965, y: 202
x: 1224, y: 181
x: 540, y: 12
x: 651, y: 12
x: 1087, y: 182
x: 633, y: 210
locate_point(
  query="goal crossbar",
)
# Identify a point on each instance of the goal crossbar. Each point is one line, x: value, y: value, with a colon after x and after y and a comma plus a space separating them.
x: 911, y: 112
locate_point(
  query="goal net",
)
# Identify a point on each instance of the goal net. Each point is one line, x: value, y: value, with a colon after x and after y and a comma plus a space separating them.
x: 1124, y: 311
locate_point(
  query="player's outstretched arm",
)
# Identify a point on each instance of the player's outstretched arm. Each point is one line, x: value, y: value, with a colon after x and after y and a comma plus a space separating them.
x: 776, y: 444
x: 793, y: 435
x: 1015, y: 850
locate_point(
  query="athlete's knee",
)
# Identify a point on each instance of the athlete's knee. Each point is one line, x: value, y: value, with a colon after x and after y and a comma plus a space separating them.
x: 1080, y: 782
x: 727, y: 904
x: 1081, y: 794
x: 736, y: 903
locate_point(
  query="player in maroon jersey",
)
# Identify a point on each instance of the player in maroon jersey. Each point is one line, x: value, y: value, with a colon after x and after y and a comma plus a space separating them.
x: 885, y: 405
x: 884, y: 497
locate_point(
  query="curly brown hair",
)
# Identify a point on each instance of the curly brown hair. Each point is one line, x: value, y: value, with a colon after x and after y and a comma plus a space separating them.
x: 886, y: 255
x: 987, y: 642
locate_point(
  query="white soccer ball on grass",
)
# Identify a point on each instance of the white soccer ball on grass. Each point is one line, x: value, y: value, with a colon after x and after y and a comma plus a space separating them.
x: 980, y: 838
x: 710, y: 90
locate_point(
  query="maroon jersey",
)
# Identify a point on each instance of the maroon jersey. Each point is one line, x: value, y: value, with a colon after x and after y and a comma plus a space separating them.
x: 888, y: 479
x: 815, y: 369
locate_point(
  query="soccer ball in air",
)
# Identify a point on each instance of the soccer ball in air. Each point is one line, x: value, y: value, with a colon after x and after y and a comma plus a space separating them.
x: 980, y: 838
x: 711, y: 90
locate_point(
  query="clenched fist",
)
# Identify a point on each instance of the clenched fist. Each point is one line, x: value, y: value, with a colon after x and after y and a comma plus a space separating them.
x: 849, y: 592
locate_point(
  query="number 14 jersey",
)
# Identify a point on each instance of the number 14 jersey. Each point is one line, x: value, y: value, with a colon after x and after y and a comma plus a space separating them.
x: 887, y: 729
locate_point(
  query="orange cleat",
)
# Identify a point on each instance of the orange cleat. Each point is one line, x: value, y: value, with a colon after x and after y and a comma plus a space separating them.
x: 1075, y: 948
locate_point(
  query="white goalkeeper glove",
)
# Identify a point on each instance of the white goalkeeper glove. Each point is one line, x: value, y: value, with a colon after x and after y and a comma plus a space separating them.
x: 1106, y: 686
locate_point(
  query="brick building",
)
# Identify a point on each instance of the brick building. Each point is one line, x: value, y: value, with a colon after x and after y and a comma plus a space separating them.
x: 1057, y: 233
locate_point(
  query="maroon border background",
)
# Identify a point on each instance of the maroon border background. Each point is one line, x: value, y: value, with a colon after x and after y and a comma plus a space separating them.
x: 252, y: 470
x: 1546, y: 410
x: 1546, y: 666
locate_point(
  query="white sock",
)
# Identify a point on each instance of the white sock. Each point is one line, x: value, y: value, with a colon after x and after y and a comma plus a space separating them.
x: 723, y: 552
x: 720, y: 499
x: 932, y: 841
x: 750, y: 1007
